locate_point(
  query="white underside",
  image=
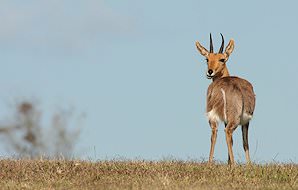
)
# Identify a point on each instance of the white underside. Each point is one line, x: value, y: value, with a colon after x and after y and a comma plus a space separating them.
x: 245, y: 118
x: 213, y: 116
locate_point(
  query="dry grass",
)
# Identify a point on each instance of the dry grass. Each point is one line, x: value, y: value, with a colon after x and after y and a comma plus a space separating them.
x: 60, y: 174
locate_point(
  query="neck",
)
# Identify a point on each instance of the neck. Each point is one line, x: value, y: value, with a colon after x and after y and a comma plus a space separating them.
x: 223, y: 73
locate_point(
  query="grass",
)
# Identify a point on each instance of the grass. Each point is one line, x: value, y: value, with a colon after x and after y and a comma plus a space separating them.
x: 61, y: 174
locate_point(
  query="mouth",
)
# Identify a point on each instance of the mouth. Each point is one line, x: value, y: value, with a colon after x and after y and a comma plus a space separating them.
x: 209, y: 76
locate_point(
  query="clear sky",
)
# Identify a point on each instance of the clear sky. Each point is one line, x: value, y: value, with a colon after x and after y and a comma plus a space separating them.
x: 133, y: 68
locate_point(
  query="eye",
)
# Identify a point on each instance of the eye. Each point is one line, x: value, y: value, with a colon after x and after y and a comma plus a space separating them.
x: 222, y: 60
x: 207, y: 59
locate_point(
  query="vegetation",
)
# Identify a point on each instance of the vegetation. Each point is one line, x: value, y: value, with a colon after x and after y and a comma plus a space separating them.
x: 62, y: 174
x: 25, y: 134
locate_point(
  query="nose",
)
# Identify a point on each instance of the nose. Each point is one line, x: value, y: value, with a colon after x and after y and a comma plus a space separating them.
x: 210, y: 71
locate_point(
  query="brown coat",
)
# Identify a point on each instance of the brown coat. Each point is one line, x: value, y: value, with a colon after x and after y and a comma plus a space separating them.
x: 230, y: 99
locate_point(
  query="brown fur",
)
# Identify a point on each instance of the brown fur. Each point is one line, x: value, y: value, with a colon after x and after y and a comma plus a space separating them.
x: 229, y: 99
x: 239, y: 94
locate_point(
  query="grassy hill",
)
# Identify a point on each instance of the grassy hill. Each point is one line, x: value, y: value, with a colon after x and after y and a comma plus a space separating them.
x: 61, y: 174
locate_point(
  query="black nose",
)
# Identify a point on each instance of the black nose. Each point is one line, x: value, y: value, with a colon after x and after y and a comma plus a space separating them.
x: 210, y: 71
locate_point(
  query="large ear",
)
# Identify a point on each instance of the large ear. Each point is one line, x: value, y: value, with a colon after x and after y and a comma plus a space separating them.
x: 202, y: 50
x: 230, y: 47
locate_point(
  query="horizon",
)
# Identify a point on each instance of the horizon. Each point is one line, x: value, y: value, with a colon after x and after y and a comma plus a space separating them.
x: 133, y: 69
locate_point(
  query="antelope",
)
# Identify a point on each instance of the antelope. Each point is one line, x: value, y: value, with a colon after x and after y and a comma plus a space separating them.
x: 230, y: 99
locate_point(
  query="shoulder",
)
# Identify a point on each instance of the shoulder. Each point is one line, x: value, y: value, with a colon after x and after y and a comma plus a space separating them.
x: 236, y: 83
x: 232, y: 79
x: 231, y: 82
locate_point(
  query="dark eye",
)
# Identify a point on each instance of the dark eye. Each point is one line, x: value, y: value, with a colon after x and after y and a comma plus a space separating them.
x: 207, y: 59
x: 222, y: 60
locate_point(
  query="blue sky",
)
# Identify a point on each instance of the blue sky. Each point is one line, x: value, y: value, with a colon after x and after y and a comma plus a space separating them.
x: 133, y: 68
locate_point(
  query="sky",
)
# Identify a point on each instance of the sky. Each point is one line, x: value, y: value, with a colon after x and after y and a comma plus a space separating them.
x: 132, y: 67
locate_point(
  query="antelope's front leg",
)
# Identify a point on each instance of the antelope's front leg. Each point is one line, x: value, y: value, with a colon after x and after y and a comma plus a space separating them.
x: 213, y: 126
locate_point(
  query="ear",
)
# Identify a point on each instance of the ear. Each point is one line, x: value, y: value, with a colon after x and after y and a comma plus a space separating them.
x: 202, y: 50
x: 230, y: 47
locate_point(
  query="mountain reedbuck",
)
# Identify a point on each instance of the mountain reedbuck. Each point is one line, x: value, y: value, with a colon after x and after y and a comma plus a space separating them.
x: 229, y: 99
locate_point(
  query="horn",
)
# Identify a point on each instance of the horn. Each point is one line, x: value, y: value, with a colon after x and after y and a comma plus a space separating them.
x: 222, y: 44
x: 211, y: 44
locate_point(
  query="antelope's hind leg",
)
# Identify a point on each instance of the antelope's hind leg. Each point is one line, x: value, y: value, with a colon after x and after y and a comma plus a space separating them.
x: 213, y: 126
x: 245, y: 142
x: 230, y: 127
x: 229, y: 159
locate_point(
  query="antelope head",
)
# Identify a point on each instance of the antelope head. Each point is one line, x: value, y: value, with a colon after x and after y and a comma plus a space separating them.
x: 216, y: 61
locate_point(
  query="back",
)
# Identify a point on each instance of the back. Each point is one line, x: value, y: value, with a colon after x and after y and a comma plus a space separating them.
x: 230, y: 97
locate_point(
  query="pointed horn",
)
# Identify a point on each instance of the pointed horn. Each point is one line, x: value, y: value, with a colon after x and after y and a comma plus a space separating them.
x: 222, y: 44
x: 211, y: 44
